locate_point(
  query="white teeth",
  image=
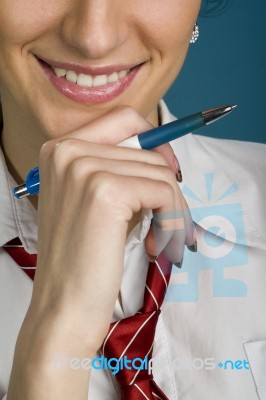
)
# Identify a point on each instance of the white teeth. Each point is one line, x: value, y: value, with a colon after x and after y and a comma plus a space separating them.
x: 60, y: 72
x: 121, y: 74
x: 71, y: 76
x: 88, y: 80
x: 99, y: 80
x: 84, y: 80
x: 113, y: 77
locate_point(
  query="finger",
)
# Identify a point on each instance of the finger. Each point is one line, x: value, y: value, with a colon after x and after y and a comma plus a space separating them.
x: 130, y: 123
x: 130, y: 193
x: 86, y: 166
x: 174, y: 249
x: 191, y: 238
x: 115, y: 126
x: 167, y: 234
x: 168, y: 230
x: 167, y: 152
x: 112, y: 128
x: 172, y: 231
x: 67, y: 150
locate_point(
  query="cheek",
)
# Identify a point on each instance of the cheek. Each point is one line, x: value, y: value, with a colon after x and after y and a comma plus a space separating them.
x: 24, y: 20
x: 167, y: 27
x: 169, y: 24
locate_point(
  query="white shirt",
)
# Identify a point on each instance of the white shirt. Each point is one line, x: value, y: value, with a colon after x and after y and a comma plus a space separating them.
x: 215, y: 309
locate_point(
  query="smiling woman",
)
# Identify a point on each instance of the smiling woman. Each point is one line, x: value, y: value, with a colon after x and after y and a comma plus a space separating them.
x: 81, y: 43
x: 77, y: 78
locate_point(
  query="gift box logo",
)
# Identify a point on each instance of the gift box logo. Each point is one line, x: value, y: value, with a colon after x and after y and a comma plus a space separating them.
x: 222, y: 246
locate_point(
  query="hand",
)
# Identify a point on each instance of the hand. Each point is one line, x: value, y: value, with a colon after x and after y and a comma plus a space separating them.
x: 90, y: 191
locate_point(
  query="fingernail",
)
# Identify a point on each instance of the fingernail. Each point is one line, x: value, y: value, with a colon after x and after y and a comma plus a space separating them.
x: 179, y: 176
x: 178, y: 170
x: 178, y: 265
x: 193, y: 247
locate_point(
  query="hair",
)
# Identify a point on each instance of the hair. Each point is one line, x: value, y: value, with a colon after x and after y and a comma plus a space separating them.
x: 213, y: 8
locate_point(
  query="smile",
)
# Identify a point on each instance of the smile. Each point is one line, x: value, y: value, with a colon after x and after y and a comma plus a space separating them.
x: 89, y: 80
x: 90, y: 85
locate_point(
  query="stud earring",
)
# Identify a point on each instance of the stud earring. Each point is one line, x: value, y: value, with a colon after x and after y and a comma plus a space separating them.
x: 195, y: 34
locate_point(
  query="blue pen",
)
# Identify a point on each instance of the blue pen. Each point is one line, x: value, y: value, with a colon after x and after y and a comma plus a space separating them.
x: 147, y: 140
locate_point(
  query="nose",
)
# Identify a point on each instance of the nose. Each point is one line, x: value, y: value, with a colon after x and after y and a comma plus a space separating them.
x: 95, y: 27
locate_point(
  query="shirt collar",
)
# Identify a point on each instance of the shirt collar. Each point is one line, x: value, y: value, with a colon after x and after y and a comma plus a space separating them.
x: 212, y: 189
x: 18, y: 218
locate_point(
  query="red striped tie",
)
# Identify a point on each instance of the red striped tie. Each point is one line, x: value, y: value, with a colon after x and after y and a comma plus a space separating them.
x: 25, y: 260
x: 131, y: 337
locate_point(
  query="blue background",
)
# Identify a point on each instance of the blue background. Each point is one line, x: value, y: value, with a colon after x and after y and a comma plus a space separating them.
x: 227, y: 65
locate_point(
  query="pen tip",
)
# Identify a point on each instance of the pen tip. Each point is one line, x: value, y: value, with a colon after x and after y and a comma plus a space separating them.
x: 214, y: 114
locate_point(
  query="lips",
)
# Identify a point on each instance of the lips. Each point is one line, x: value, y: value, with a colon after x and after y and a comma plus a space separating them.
x: 90, y: 85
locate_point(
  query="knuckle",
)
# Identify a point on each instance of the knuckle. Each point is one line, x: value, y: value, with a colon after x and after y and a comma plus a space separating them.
x: 81, y: 168
x: 63, y: 154
x: 104, y: 188
x: 126, y: 110
x: 46, y: 149
x: 169, y: 191
x: 64, y: 147
x: 169, y: 175
x: 130, y: 119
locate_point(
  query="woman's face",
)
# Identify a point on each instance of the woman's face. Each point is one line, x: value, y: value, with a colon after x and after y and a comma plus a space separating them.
x: 92, y: 44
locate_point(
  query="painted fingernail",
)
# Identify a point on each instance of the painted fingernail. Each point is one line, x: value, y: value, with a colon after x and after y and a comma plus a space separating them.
x: 193, y: 247
x: 179, y: 176
x: 178, y: 265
